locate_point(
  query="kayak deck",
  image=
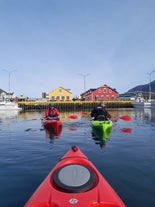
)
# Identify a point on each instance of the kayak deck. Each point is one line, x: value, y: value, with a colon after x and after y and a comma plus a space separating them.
x: 74, y: 181
x: 102, y: 129
x: 51, y: 123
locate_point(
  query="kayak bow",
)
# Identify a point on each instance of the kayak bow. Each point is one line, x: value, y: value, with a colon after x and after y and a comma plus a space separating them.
x: 51, y: 123
x: 74, y: 181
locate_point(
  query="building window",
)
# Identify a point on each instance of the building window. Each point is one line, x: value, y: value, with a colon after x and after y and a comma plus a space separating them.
x: 67, y: 98
x: 110, y: 91
x: 58, y: 98
x: 60, y: 90
x: 107, y: 98
x: 96, y: 98
x: 102, y: 98
x: 53, y: 98
x: 104, y: 90
x: 113, y: 97
x: 63, y: 98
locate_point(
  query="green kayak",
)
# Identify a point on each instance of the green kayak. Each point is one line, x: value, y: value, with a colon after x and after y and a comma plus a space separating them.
x: 102, y: 129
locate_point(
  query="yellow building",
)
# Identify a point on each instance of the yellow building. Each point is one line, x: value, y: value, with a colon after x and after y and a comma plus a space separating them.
x: 60, y: 94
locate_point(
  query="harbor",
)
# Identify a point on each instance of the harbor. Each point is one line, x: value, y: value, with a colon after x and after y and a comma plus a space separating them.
x: 28, y: 153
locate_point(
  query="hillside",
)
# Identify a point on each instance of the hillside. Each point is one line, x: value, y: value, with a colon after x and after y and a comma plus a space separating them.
x: 144, y: 88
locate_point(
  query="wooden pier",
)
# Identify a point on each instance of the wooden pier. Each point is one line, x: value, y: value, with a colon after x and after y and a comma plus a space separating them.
x: 72, y: 105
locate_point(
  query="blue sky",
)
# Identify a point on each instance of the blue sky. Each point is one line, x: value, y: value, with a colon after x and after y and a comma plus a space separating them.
x: 49, y: 43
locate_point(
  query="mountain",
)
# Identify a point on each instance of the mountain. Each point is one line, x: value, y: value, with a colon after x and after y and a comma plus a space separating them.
x: 143, y: 88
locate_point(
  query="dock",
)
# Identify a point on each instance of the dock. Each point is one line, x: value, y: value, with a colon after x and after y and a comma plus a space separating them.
x: 72, y: 105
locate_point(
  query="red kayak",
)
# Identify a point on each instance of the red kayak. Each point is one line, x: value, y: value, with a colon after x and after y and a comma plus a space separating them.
x: 74, y: 181
x: 51, y: 123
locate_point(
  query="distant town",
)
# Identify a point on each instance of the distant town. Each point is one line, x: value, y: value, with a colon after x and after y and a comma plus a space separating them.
x: 102, y: 93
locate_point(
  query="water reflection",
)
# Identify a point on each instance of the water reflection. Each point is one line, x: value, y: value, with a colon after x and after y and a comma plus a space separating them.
x: 150, y: 114
x: 8, y: 114
x: 53, y: 132
x: 100, y: 142
x: 126, y: 130
x: 73, y: 126
x: 146, y: 114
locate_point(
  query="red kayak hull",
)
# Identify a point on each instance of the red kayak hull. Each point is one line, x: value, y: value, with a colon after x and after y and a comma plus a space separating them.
x: 51, y: 123
x: 74, y: 181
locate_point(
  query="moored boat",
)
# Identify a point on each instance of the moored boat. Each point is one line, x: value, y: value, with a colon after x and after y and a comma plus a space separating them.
x: 149, y: 103
x: 75, y: 181
x: 139, y: 102
x: 9, y: 105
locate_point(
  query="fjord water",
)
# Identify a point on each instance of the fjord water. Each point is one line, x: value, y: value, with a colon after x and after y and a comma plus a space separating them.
x: 126, y: 159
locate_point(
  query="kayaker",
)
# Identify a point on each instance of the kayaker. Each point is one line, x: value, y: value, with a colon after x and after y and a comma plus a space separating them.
x: 100, y: 112
x: 52, y: 112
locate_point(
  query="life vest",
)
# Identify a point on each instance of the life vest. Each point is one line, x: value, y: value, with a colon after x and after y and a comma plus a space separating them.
x: 52, y: 112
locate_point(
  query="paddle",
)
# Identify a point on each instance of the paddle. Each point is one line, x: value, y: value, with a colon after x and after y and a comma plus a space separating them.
x: 34, y: 119
x: 125, y: 118
x: 73, y: 116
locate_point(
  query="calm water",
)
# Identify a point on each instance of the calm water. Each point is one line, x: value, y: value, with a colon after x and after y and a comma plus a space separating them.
x: 126, y: 160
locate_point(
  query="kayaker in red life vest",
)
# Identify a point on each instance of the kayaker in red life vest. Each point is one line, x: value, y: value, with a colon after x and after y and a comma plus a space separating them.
x: 52, y: 112
x: 100, y: 113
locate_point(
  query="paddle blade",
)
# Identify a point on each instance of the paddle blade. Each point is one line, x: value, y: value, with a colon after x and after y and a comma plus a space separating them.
x: 72, y: 128
x: 126, y: 130
x: 32, y: 119
x: 73, y: 116
x: 126, y: 118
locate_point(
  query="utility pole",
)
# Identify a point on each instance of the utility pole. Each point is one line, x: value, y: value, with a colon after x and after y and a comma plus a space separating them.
x: 9, y: 74
x: 150, y: 84
x: 84, y: 79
